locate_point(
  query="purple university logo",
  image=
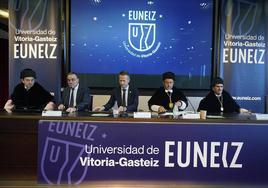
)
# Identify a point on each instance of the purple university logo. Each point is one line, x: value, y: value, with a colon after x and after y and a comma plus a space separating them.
x: 62, y: 146
x: 57, y: 158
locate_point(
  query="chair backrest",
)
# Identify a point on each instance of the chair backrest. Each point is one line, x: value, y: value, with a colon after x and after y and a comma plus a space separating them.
x: 200, y: 104
x: 90, y: 103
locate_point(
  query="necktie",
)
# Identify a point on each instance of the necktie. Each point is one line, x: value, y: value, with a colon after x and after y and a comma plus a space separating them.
x: 71, y: 103
x: 170, y: 104
x: 124, y: 98
x: 169, y: 95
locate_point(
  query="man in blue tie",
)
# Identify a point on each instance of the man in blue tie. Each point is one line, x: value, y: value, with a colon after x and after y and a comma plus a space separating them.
x: 126, y: 97
x: 74, y: 97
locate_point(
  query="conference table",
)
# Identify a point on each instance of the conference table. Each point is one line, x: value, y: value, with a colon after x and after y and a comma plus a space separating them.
x: 19, y: 132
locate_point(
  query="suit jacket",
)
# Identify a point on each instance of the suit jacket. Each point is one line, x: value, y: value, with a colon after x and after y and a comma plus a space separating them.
x: 82, y: 98
x: 132, y: 100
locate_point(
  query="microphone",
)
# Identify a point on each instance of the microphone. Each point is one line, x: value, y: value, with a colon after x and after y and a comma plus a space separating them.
x: 192, y: 106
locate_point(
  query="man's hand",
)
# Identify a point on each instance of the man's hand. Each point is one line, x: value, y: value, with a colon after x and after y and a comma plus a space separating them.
x: 99, y: 108
x: 161, y: 109
x: 71, y: 110
x: 9, y: 106
x: 49, y: 106
x: 243, y: 110
x: 178, y: 103
x: 61, y: 107
x: 122, y: 109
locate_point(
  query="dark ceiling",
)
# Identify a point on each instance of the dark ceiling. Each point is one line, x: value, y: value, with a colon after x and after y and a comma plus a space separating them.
x: 4, y: 4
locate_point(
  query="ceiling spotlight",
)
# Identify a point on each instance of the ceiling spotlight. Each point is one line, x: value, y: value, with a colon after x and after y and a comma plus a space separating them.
x: 4, y: 13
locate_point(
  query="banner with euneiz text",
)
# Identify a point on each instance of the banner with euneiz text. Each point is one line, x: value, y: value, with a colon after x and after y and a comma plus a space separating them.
x: 243, y: 26
x: 35, y: 42
x: 73, y: 152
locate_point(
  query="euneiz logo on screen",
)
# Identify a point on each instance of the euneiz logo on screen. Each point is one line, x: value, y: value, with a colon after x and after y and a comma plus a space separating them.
x: 141, y: 33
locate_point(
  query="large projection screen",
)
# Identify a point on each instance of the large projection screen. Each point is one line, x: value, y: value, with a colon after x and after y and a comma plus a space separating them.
x: 145, y: 38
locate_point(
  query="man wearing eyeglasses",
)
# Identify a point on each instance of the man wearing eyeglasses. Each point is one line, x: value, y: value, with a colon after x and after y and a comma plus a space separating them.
x: 74, y: 97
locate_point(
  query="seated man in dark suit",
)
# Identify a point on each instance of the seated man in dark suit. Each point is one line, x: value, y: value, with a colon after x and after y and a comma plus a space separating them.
x: 218, y: 100
x: 29, y: 95
x: 126, y: 97
x: 74, y: 97
x: 167, y: 97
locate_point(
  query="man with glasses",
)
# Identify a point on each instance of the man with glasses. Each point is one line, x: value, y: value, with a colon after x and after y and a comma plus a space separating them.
x: 74, y: 97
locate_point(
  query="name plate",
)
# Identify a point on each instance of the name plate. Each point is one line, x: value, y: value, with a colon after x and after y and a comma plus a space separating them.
x: 52, y: 113
x: 261, y: 116
x: 142, y: 114
x: 191, y: 116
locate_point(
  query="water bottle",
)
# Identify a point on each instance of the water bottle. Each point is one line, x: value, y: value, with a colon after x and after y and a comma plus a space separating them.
x: 115, y: 109
x: 175, y: 110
